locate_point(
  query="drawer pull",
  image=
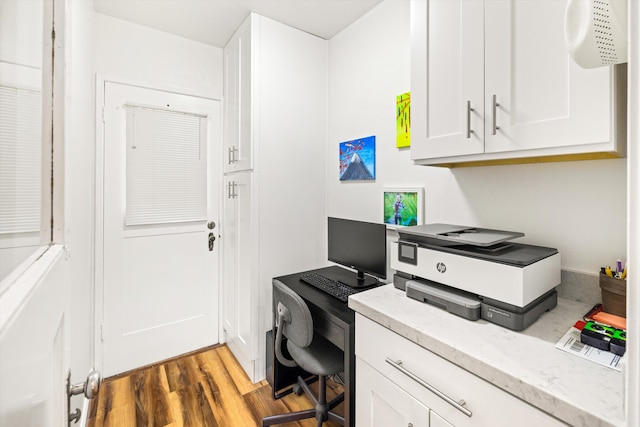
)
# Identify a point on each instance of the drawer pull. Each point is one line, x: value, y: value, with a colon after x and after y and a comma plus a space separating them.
x: 469, y: 110
x: 494, y: 119
x: 458, y: 405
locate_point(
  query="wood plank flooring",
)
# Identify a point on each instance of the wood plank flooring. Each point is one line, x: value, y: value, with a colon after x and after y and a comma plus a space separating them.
x: 207, y: 388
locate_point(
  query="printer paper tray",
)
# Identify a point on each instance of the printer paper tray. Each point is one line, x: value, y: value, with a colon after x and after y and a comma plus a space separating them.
x: 457, y: 234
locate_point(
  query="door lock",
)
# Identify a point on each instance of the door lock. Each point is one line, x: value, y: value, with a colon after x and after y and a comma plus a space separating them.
x: 212, y: 239
x: 211, y: 225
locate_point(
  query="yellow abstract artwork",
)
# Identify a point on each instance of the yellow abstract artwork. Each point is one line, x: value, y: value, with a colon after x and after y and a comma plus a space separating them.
x: 403, y: 120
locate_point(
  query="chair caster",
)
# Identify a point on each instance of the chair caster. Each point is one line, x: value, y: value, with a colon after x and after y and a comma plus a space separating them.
x: 297, y: 389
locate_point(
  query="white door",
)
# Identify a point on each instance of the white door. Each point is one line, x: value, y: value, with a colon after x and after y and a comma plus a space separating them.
x: 34, y: 345
x: 160, y: 274
x: 34, y: 276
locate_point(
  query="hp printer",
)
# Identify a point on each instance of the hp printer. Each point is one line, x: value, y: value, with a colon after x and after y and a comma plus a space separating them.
x: 476, y: 272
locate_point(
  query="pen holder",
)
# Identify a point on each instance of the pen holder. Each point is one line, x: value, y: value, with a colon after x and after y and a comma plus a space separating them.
x: 614, y: 295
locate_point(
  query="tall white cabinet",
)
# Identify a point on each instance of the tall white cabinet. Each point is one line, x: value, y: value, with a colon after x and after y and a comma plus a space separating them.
x: 492, y: 80
x: 274, y: 184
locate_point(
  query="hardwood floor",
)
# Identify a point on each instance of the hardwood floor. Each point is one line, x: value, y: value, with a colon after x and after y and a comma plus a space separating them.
x: 207, y: 388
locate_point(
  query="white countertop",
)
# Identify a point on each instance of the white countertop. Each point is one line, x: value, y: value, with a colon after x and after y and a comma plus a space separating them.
x: 525, y: 364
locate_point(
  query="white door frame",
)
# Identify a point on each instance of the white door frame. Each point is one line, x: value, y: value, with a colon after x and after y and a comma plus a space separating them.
x: 101, y: 80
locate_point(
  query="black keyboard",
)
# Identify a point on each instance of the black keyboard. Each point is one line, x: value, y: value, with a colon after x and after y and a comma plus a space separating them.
x: 332, y: 287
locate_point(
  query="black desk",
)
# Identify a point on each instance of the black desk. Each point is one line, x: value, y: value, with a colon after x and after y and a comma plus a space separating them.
x: 334, y: 320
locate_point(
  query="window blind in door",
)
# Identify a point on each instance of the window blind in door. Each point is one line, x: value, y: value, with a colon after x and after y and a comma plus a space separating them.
x: 20, y: 160
x: 166, y: 156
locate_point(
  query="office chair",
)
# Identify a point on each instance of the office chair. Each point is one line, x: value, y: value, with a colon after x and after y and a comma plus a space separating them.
x: 314, y: 354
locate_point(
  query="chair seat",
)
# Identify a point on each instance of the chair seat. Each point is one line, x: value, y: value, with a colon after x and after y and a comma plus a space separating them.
x: 320, y: 358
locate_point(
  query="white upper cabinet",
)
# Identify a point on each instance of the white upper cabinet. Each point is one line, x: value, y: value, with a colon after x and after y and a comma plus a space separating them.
x: 447, y: 78
x: 237, y: 100
x: 492, y: 80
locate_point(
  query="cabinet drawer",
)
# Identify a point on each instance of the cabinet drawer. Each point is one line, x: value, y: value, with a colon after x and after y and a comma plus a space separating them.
x: 440, y: 385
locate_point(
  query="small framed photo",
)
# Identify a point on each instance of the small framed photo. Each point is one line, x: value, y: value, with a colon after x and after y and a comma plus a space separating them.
x: 402, y: 207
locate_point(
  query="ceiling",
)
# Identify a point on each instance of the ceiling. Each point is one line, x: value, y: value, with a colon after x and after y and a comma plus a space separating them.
x: 214, y: 21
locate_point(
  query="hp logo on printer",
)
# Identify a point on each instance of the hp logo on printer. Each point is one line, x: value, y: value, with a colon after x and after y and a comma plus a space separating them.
x: 441, y: 267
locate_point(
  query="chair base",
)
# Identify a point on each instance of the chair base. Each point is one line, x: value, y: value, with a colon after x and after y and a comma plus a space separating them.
x: 321, y: 412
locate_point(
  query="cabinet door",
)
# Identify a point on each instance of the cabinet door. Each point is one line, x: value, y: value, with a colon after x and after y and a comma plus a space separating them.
x: 447, y: 78
x: 381, y: 403
x: 436, y: 420
x: 231, y: 102
x: 237, y: 100
x: 229, y: 241
x: 240, y: 293
x: 545, y: 99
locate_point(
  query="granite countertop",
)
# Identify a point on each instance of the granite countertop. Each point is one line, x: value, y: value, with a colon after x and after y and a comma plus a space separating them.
x: 526, y: 364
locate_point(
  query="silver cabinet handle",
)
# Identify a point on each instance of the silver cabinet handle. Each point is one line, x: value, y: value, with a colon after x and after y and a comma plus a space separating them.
x: 469, y: 110
x: 459, y: 405
x: 231, y: 157
x: 231, y: 190
x: 494, y: 107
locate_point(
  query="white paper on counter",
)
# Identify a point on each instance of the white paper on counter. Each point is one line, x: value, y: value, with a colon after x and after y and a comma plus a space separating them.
x: 570, y: 343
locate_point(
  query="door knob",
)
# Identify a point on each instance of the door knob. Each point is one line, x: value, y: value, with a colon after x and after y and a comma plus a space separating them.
x: 90, y: 389
x: 211, y: 225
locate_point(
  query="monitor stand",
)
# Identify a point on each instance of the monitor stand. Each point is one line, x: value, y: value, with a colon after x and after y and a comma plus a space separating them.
x: 353, y: 279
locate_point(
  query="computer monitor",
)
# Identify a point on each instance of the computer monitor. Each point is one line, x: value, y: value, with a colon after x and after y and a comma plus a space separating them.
x: 361, y: 246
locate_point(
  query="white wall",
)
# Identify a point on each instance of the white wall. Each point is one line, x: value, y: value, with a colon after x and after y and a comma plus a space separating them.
x: 578, y: 207
x: 156, y: 59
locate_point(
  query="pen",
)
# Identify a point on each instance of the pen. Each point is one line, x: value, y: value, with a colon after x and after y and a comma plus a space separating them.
x: 607, y: 271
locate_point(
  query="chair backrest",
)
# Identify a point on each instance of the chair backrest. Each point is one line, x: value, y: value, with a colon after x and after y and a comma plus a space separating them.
x: 293, y: 316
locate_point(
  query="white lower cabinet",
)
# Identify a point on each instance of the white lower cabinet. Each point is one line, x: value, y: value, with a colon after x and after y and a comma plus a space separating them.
x: 381, y: 403
x: 436, y: 420
x: 396, y: 379
x: 240, y: 293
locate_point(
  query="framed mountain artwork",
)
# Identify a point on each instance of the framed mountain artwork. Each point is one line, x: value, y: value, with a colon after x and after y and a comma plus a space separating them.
x: 358, y: 159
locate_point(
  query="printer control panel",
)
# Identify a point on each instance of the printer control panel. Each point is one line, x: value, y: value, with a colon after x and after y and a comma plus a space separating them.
x: 408, y: 252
